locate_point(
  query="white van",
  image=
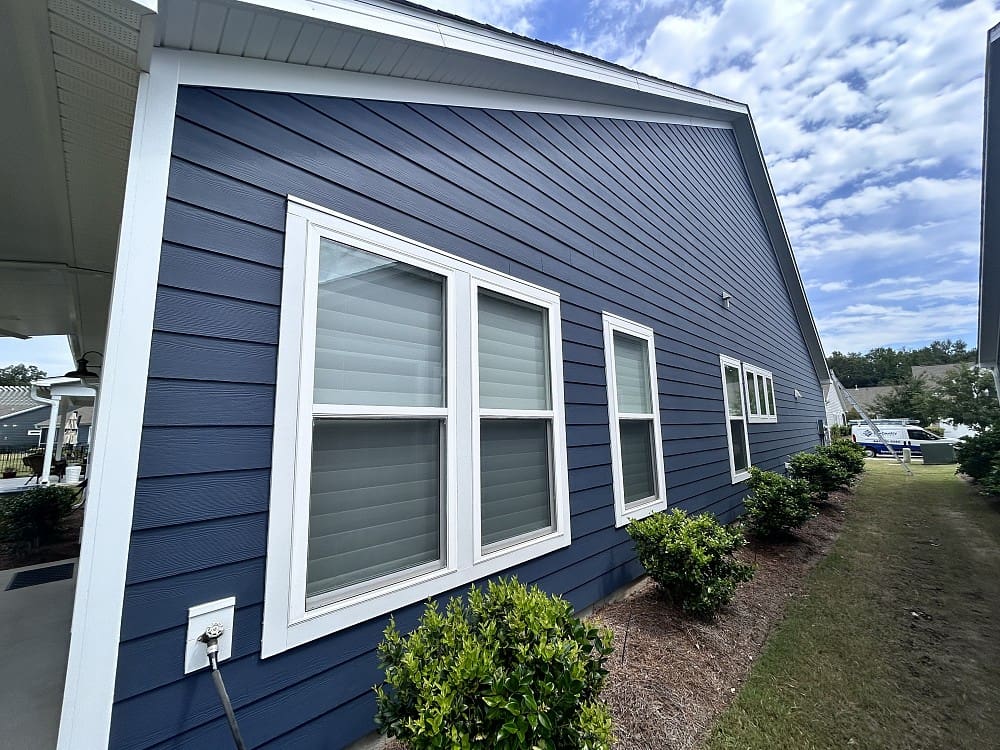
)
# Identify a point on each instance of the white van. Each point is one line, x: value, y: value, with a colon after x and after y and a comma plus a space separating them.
x: 899, y: 436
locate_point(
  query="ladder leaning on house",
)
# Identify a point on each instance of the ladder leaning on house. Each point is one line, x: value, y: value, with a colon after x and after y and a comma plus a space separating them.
x: 861, y: 412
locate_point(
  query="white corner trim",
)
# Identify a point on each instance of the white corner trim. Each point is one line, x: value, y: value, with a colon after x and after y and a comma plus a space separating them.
x: 100, y: 587
x: 623, y: 514
x: 225, y: 71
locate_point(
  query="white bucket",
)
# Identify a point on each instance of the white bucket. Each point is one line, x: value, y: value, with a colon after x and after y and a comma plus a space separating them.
x: 72, y: 474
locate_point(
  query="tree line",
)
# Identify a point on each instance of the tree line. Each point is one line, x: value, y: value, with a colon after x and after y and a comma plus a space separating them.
x: 887, y: 366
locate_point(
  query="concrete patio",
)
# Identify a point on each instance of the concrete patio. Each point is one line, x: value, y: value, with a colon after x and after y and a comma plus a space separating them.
x: 34, y: 630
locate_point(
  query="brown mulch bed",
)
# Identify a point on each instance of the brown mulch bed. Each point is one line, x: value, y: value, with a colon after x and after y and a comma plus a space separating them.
x: 671, y: 674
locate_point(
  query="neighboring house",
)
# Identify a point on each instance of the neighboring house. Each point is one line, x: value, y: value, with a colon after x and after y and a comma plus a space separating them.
x: 76, y: 429
x: 18, y: 414
x: 866, y: 397
x: 989, y: 266
x: 401, y: 302
x: 836, y: 407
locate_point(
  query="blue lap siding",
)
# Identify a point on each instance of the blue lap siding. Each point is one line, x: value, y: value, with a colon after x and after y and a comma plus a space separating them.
x: 647, y: 220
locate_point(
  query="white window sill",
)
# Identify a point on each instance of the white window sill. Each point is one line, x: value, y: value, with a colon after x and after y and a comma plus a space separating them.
x: 638, y: 512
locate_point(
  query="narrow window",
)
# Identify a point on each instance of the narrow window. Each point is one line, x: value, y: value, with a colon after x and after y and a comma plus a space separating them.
x: 515, y: 427
x: 736, y: 430
x: 633, y: 409
x: 760, y: 394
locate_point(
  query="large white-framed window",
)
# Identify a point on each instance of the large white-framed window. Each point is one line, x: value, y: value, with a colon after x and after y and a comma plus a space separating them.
x: 760, y: 406
x: 419, y: 436
x: 634, y: 418
x: 736, y: 418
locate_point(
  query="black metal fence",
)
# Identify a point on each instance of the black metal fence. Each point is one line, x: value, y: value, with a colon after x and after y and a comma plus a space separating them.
x: 12, y: 459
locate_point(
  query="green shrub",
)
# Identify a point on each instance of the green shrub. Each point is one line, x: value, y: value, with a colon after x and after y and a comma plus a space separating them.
x: 990, y: 484
x: 776, y: 504
x: 36, y: 515
x: 840, y: 432
x: 823, y: 474
x: 850, y: 456
x: 977, y: 455
x: 691, y: 558
x: 512, y: 668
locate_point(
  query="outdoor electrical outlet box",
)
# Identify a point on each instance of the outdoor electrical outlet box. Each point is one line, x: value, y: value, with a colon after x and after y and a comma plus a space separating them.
x: 200, y: 617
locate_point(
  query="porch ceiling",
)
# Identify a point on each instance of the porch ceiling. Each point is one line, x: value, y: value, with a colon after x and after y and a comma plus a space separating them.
x: 69, y: 85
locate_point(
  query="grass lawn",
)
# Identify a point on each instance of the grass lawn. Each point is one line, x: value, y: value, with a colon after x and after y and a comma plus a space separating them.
x: 895, y: 641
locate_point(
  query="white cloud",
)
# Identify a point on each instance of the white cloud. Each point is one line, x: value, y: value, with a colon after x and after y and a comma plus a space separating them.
x: 832, y: 286
x: 861, y: 327
x: 512, y: 15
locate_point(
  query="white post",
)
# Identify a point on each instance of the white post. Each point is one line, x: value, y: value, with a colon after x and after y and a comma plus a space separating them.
x: 50, y: 440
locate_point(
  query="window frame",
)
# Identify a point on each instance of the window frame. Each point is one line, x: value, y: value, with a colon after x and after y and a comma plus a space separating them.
x: 287, y: 621
x: 743, y: 475
x: 751, y: 373
x: 612, y: 323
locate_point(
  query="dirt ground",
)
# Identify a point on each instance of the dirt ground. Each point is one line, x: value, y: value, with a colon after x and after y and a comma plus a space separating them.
x: 672, y: 675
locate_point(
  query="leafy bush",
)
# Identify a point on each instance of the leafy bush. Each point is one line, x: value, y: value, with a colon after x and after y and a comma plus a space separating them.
x: 840, y: 431
x: 36, y: 515
x: 691, y: 558
x: 850, y: 456
x: 776, y: 504
x: 977, y: 455
x: 510, y: 669
x: 824, y: 474
x: 990, y: 484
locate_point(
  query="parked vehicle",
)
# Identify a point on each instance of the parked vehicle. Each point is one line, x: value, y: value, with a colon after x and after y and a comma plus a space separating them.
x: 897, y: 435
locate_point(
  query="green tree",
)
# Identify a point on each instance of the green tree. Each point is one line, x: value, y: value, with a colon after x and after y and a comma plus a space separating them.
x: 20, y: 374
x: 969, y: 397
x: 912, y: 399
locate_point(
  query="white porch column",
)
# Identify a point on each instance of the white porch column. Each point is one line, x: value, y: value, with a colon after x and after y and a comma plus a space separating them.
x: 62, y: 434
x: 50, y: 439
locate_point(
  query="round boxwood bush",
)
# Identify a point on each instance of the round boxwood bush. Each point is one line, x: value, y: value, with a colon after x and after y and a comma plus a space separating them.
x: 824, y: 474
x: 36, y: 515
x: 691, y: 558
x: 510, y: 668
x: 850, y: 456
x: 776, y: 504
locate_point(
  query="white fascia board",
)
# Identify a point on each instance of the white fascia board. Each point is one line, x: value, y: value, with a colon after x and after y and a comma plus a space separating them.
x: 767, y: 201
x: 427, y: 27
x: 226, y: 71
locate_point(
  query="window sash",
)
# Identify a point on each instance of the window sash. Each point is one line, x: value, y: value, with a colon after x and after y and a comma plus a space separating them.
x: 625, y: 472
x: 759, y: 387
x: 735, y: 416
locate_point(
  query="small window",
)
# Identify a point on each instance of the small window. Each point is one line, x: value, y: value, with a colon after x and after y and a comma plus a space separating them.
x: 419, y: 431
x: 633, y: 408
x: 760, y: 394
x: 736, y: 418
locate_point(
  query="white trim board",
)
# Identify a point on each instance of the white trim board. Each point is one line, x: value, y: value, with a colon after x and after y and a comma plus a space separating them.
x: 205, y: 69
x: 100, y: 590
x: 425, y: 26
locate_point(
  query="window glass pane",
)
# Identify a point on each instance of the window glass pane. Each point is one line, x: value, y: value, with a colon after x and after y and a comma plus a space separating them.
x: 770, y: 398
x: 762, y: 390
x: 734, y: 391
x: 375, y: 504
x: 740, y: 458
x: 513, y: 354
x: 514, y: 463
x: 637, y: 459
x: 752, y: 393
x: 632, y: 374
x: 379, y: 331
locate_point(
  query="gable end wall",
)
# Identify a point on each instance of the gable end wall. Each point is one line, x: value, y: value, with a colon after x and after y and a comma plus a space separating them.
x: 646, y: 220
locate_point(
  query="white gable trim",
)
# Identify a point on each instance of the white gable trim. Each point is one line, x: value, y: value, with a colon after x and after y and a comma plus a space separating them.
x: 100, y: 586
x: 204, y: 69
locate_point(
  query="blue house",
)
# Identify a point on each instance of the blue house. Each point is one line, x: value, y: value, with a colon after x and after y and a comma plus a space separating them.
x: 989, y: 265
x: 389, y: 302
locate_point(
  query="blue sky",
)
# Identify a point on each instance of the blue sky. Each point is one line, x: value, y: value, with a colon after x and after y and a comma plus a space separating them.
x: 870, y: 115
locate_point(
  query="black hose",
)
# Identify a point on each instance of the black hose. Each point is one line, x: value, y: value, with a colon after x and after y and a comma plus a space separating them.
x: 220, y: 686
